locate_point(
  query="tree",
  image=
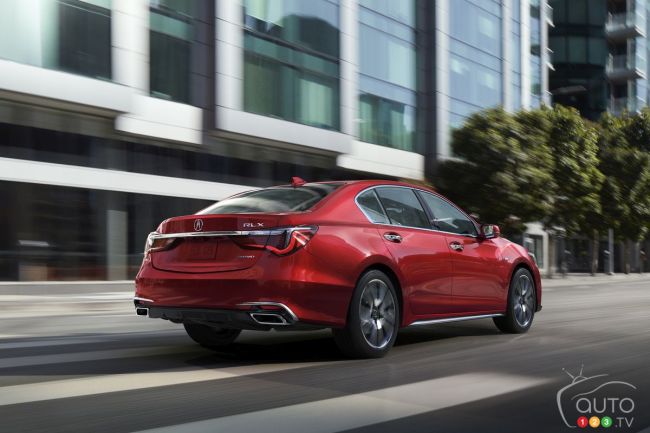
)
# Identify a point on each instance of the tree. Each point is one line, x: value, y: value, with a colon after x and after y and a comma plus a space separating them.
x: 625, y: 161
x: 503, y: 171
x: 574, y: 144
x: 578, y: 180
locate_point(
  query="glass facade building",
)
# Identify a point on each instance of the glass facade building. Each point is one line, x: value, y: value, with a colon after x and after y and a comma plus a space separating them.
x: 489, y: 53
x: 115, y: 114
x: 291, y: 65
x: 475, y: 57
x: 600, y: 55
x: 170, y: 40
x: 387, y: 70
x: 68, y: 35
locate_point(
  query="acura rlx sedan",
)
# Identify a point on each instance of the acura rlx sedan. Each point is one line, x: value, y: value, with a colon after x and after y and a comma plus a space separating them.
x: 364, y: 258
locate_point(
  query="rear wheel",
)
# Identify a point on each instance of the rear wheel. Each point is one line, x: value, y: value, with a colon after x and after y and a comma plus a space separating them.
x: 373, y: 318
x: 209, y: 336
x: 521, y: 304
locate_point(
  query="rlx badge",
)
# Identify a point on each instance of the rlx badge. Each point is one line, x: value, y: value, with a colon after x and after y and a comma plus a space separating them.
x: 252, y: 225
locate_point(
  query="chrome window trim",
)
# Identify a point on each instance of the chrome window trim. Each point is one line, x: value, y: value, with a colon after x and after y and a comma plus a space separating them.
x: 458, y: 209
x: 374, y: 193
x: 408, y: 227
x: 374, y: 188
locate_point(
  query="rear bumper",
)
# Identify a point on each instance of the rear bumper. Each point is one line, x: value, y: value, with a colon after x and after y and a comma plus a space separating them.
x: 251, y: 319
x: 313, y: 295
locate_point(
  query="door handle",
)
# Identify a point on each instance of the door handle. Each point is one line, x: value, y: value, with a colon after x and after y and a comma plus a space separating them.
x: 456, y: 246
x: 393, y: 237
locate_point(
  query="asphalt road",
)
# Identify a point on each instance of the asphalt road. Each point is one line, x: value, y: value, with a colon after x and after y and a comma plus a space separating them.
x: 87, y: 364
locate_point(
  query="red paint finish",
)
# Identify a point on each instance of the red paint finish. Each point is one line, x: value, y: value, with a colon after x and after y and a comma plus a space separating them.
x: 314, y: 272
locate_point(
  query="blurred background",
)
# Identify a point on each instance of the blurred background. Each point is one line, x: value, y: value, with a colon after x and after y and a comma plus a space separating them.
x: 116, y: 114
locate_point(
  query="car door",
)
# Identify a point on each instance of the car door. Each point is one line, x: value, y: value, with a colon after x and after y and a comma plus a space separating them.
x: 475, y: 262
x: 421, y: 254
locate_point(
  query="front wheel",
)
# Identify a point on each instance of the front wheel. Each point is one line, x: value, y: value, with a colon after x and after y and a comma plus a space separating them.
x: 521, y: 304
x: 373, y: 318
x: 209, y: 336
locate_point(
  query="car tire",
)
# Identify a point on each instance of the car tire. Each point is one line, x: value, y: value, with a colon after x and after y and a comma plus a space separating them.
x: 211, y: 336
x: 373, y: 318
x: 522, y: 301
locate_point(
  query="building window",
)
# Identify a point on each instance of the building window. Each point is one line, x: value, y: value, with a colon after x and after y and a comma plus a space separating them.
x: 68, y: 35
x: 476, y: 26
x: 170, y: 49
x: 535, y: 56
x: 387, y: 73
x: 535, y: 245
x: 291, y: 64
x: 71, y: 237
x: 474, y: 84
x: 475, y: 57
x: 386, y: 122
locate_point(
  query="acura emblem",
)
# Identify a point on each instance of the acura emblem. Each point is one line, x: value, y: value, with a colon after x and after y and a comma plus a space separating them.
x: 198, y: 225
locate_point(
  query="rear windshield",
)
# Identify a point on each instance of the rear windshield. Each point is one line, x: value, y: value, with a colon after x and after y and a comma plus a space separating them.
x: 276, y: 199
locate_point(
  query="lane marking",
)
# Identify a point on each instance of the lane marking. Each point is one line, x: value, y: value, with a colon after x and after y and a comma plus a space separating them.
x: 87, y: 386
x: 359, y: 410
x: 44, y: 341
x: 48, y: 343
x: 95, y: 355
x: 67, y: 297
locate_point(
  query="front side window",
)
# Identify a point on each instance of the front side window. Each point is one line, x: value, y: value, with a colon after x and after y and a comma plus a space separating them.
x: 403, y: 207
x: 447, y: 218
x: 277, y: 199
x: 369, y: 204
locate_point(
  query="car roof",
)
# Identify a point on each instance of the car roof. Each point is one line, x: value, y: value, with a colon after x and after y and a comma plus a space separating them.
x: 370, y: 182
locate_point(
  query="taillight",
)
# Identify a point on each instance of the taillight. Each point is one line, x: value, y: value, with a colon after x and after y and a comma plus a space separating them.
x: 294, y: 239
x: 155, y: 243
x: 280, y: 242
x: 252, y: 240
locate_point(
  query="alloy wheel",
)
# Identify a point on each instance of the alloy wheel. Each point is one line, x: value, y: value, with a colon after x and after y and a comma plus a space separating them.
x: 377, y: 309
x: 524, y: 301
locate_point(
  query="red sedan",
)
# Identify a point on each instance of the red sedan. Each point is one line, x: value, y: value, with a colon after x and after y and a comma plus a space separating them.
x: 364, y: 258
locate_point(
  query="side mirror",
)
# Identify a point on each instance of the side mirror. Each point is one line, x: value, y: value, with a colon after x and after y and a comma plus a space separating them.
x: 490, y: 231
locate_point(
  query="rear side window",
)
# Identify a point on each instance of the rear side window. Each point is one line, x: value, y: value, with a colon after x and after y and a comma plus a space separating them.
x: 276, y: 199
x: 403, y: 207
x: 447, y: 218
x: 370, y: 206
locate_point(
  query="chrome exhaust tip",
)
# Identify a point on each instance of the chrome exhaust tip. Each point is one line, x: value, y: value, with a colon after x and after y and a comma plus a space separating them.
x: 273, y: 319
x: 142, y: 311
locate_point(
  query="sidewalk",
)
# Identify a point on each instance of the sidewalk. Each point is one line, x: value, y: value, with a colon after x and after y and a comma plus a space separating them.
x: 69, y: 290
x: 587, y: 279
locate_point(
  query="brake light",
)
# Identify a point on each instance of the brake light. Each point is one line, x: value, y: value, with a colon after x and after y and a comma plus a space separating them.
x: 297, y: 238
x: 154, y: 243
x: 253, y: 240
x: 280, y: 242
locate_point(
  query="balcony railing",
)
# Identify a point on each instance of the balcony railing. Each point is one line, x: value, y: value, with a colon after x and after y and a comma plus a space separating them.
x: 626, y: 63
x: 625, y: 21
x: 548, y: 14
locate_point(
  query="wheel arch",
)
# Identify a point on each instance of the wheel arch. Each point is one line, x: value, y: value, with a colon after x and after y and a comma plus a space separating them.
x: 390, y: 273
x: 523, y: 265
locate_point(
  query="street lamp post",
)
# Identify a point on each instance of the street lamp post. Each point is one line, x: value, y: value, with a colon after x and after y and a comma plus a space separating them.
x: 610, y: 246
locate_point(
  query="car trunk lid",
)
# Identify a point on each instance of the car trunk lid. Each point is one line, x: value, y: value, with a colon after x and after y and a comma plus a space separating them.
x: 214, y: 243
